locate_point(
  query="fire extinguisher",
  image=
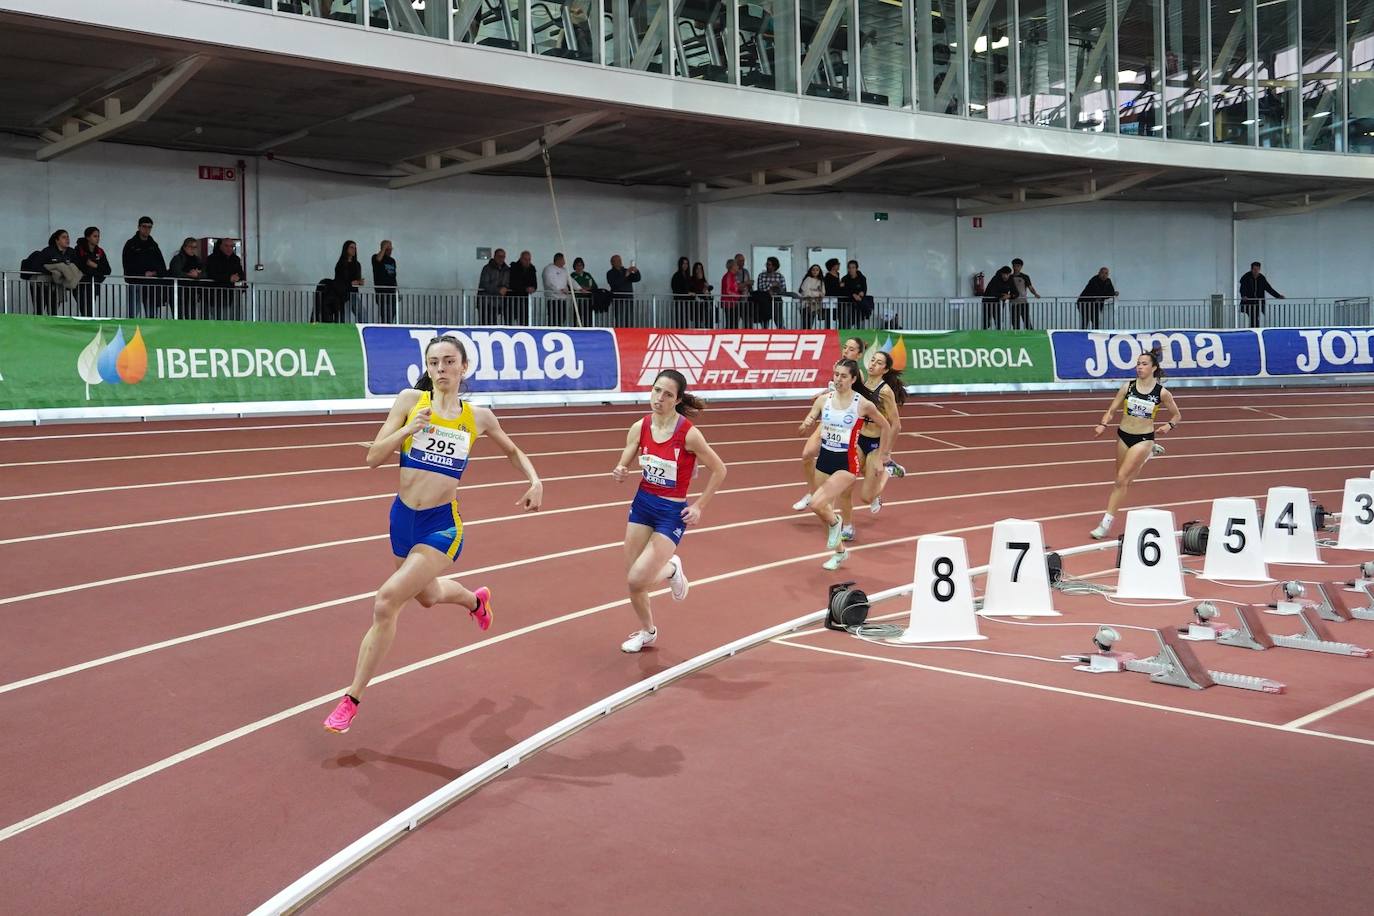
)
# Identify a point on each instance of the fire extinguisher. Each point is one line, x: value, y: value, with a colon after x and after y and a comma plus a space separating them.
x: 979, y: 284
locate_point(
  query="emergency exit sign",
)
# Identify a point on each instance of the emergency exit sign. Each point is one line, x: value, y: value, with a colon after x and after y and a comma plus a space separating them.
x: 217, y: 173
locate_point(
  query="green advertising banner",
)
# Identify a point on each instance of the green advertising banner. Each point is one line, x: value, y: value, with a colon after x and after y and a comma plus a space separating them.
x: 73, y: 362
x: 964, y: 357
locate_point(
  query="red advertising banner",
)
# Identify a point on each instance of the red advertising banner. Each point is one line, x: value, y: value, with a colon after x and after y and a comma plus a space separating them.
x: 721, y: 360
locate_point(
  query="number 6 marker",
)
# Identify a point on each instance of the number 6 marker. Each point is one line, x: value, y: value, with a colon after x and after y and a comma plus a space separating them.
x: 942, y: 597
x: 1018, y: 581
x: 1149, y: 557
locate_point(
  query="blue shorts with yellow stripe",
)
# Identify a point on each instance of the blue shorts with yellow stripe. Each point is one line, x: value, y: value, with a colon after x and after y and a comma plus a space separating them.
x: 440, y: 528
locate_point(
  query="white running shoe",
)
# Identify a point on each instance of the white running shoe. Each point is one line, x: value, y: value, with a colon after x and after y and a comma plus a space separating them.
x: 876, y: 506
x: 638, y: 640
x: 677, y: 582
x: 803, y: 503
x: 835, y: 560
x: 847, y: 533
x: 1156, y: 449
x: 836, y: 531
x: 895, y: 470
x: 1098, y: 533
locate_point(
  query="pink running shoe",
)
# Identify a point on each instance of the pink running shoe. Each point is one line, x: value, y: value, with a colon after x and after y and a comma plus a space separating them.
x: 483, y: 612
x: 342, y: 717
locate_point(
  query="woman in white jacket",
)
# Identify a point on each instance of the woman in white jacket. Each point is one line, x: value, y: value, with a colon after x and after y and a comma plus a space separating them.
x: 812, y: 293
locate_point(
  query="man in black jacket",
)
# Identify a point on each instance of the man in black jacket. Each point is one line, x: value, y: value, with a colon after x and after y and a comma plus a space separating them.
x: 225, y: 270
x: 621, y: 281
x: 492, y: 286
x: 1253, y: 286
x: 143, y: 266
x: 524, y: 282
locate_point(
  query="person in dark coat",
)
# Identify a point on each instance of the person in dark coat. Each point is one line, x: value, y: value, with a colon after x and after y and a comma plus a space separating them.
x: 524, y: 282
x: 621, y: 280
x: 999, y: 290
x: 143, y: 266
x: 49, y: 287
x: 1094, y: 298
x: 385, y: 283
x: 854, y: 309
x: 187, y: 270
x: 94, y: 267
x: 493, y: 285
x: 1253, y: 286
x: 225, y: 270
x: 348, y: 279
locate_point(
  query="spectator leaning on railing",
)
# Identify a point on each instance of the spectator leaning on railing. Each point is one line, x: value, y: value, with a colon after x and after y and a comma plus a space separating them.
x: 225, y: 270
x: 812, y: 292
x: 348, y: 280
x: 143, y: 265
x: 557, y: 290
x: 188, y: 270
x: 855, y: 299
x: 1253, y: 286
x: 701, y: 295
x: 1094, y: 298
x: 51, y: 273
x: 732, y: 296
x: 492, y: 286
x: 769, y: 289
x: 621, y: 282
x: 94, y: 267
x: 682, y: 294
x: 524, y: 281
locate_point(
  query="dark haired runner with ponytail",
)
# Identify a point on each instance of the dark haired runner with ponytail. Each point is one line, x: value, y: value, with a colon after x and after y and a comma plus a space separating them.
x: 1138, y: 400
x: 668, y: 445
x: 853, y: 348
x: 434, y: 430
x: 886, y: 383
x: 842, y: 412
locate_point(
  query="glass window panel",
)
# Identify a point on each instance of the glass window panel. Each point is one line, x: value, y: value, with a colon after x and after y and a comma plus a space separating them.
x: 767, y: 44
x: 884, y: 55
x: 1233, y: 118
x: 1360, y: 54
x: 1321, y: 75
x: 336, y: 10
x: 1044, y: 96
x: 491, y: 23
x: 640, y: 35
x: 1185, y: 69
x: 1092, y: 66
x: 989, y: 60
x: 825, y: 49
x: 1278, y: 103
x: 1138, y: 72
x: 701, y: 40
x: 564, y: 28
x: 934, y: 27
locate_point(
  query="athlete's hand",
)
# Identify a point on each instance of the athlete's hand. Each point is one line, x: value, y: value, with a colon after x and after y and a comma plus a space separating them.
x: 691, y: 514
x: 1163, y: 428
x: 1098, y: 430
x: 532, y: 499
x: 420, y: 422
x: 620, y: 472
x: 806, y: 424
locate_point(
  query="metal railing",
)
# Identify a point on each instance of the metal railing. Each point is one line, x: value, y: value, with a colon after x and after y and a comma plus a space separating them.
x: 118, y: 298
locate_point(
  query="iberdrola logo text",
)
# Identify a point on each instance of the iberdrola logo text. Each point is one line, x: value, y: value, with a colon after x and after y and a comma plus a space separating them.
x: 116, y: 362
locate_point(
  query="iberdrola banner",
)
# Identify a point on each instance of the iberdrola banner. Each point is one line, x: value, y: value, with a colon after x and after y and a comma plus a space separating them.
x: 73, y: 362
x: 963, y: 357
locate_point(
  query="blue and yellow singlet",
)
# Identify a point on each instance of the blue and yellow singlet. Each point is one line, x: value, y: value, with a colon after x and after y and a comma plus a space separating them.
x: 443, y: 445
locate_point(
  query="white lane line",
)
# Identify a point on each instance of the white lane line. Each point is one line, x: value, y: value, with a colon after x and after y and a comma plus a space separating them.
x: 941, y: 441
x: 230, y: 561
x: 926, y: 433
x: 1013, y: 682
x: 171, y: 432
x: 1325, y: 711
x: 205, y: 746
x: 75, y: 532
x: 215, y: 631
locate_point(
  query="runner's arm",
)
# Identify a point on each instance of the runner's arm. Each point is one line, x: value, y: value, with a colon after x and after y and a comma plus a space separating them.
x: 1166, y: 398
x: 622, y: 467
x: 813, y: 414
x: 395, y: 429
x: 1112, y: 409
x: 696, y: 443
x: 487, y: 424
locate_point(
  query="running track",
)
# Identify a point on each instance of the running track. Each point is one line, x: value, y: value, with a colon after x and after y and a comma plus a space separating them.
x: 184, y: 601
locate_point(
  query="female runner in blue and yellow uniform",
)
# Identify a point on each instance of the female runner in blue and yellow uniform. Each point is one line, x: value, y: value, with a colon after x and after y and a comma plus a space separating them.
x: 1138, y: 400
x: 668, y: 445
x: 842, y: 413
x: 434, y: 429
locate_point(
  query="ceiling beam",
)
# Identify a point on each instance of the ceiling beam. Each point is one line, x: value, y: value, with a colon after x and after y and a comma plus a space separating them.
x: 1020, y: 202
x: 1308, y: 206
x: 552, y: 135
x: 824, y: 177
x: 115, y: 120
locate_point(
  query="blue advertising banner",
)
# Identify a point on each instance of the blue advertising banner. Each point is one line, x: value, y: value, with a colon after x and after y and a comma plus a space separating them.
x: 499, y: 359
x: 1317, y: 351
x: 1186, y: 354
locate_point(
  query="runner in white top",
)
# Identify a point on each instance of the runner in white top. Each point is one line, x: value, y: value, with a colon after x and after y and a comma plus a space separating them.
x: 853, y: 349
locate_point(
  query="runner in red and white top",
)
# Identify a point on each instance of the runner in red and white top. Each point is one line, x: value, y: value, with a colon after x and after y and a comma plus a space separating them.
x: 668, y: 445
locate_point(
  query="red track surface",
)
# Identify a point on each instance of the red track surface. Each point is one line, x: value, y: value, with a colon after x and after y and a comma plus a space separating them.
x: 979, y: 790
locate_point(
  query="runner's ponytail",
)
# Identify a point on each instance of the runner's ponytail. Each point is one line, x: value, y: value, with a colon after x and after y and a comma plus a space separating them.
x: 893, y: 378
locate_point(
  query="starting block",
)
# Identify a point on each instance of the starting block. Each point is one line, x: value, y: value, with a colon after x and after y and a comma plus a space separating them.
x: 1176, y: 665
x: 1251, y: 633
